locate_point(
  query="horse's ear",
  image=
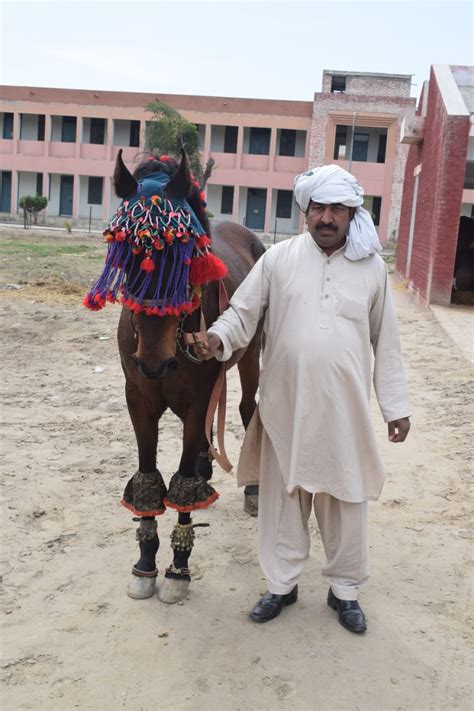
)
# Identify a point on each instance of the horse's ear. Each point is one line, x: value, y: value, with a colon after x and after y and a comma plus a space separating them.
x: 181, y: 183
x: 124, y: 182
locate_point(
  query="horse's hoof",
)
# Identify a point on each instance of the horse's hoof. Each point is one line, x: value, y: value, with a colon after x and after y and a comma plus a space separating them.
x: 173, y: 590
x: 140, y: 587
x: 251, y: 504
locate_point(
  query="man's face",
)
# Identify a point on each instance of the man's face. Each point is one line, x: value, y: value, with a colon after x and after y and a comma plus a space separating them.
x: 328, y: 224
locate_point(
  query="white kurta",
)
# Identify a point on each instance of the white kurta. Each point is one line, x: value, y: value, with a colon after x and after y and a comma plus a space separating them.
x: 323, y: 316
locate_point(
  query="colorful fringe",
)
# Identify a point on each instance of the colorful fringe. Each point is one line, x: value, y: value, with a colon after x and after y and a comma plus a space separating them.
x: 158, y: 255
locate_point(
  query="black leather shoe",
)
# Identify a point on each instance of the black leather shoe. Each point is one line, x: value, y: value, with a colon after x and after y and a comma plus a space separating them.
x: 350, y: 615
x: 269, y: 606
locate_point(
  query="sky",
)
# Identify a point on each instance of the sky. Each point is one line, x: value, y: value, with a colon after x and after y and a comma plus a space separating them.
x: 269, y: 50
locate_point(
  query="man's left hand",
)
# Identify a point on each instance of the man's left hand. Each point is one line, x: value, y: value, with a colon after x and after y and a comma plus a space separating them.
x: 399, y: 429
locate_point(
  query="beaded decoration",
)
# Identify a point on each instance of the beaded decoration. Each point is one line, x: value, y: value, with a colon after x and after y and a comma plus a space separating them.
x: 158, y: 254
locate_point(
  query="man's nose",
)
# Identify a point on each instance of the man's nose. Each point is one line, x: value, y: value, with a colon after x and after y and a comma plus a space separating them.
x: 326, y: 217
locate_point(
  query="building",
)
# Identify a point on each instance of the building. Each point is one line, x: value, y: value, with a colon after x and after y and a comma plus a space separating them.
x: 63, y: 143
x: 439, y: 183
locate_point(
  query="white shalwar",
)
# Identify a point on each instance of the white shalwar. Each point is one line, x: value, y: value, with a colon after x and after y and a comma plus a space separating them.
x: 323, y: 317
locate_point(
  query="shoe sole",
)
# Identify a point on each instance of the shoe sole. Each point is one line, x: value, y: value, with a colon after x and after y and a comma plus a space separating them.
x: 289, y: 601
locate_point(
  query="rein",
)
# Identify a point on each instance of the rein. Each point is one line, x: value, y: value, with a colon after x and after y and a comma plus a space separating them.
x: 218, y: 398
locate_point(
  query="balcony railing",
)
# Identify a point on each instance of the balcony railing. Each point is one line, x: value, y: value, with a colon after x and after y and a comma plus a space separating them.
x: 30, y: 148
x: 6, y: 146
x: 58, y: 149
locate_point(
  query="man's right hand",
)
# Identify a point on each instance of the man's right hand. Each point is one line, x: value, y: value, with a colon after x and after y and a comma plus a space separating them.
x: 205, y: 350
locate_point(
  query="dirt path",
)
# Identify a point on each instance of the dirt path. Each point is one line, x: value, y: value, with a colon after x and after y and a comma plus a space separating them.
x: 73, y: 639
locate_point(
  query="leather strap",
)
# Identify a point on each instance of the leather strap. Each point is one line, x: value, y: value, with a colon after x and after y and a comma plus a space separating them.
x: 218, y: 401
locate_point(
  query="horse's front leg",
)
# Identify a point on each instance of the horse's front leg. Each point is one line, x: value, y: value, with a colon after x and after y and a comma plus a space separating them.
x: 187, y: 492
x: 144, y: 493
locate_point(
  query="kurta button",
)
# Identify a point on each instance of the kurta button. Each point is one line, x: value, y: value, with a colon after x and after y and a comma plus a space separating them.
x: 326, y: 296
x: 328, y: 279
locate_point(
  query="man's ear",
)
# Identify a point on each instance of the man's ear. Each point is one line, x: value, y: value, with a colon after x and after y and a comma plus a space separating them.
x: 352, y: 211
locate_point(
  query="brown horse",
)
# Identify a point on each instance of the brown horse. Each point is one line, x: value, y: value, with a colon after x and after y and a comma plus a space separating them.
x: 159, y: 375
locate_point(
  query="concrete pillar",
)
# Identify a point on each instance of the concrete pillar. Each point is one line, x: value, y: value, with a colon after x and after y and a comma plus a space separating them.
x: 240, y: 147
x: 106, y: 194
x: 46, y: 190
x: 268, y: 210
x: 47, y: 135
x: 235, y: 204
x: 14, y: 193
x: 75, y: 197
x: 109, y: 132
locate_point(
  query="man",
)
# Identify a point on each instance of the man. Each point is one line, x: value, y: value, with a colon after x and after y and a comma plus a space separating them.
x: 326, y: 304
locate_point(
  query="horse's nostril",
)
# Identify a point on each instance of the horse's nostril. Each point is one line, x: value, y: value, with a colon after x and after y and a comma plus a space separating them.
x: 169, y: 366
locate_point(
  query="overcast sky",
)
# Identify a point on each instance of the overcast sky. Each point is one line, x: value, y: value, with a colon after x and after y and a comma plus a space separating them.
x: 249, y: 49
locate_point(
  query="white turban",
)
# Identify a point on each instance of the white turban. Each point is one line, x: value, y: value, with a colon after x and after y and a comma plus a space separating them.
x: 331, y: 184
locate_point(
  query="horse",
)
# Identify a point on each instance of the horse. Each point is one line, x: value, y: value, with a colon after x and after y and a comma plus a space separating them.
x: 160, y: 249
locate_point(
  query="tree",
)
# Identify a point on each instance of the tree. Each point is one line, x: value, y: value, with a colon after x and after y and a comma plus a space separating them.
x: 169, y: 132
x: 31, y: 206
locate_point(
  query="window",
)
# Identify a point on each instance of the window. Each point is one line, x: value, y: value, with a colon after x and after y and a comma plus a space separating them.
x: 7, y: 125
x: 39, y: 183
x: 259, y: 143
x: 373, y: 206
x: 97, y: 131
x: 469, y: 176
x: 134, y: 134
x: 68, y: 130
x: 287, y: 142
x: 284, y: 204
x: 227, y: 199
x: 5, y: 190
x: 338, y: 85
x: 360, y: 147
x: 230, y: 139
x: 41, y: 121
x: 340, y: 144
x: 382, y: 147
x: 94, y: 193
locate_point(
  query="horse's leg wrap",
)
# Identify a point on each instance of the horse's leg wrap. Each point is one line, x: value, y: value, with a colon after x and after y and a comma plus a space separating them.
x: 177, y: 577
x: 187, y: 494
x: 144, y: 572
x: 147, y: 537
x: 182, y: 541
x: 144, y: 494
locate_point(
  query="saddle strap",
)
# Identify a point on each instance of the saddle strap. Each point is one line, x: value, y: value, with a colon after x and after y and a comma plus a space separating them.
x: 218, y: 401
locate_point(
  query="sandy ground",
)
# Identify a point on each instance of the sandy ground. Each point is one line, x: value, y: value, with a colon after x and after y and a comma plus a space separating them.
x: 73, y: 639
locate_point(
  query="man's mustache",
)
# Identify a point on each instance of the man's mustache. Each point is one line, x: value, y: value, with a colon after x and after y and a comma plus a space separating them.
x: 322, y: 226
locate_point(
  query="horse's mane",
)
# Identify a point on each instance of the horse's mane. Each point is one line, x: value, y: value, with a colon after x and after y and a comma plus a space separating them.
x: 167, y: 164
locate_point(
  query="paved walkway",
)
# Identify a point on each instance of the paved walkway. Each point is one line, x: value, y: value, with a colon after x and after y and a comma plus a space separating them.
x: 458, y: 322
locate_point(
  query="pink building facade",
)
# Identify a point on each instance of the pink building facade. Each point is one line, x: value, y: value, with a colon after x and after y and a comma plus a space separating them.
x: 63, y: 144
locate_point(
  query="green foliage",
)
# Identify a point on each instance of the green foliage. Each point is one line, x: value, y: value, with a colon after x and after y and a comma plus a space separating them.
x: 168, y: 132
x: 68, y: 226
x: 33, y: 203
x: 31, y: 206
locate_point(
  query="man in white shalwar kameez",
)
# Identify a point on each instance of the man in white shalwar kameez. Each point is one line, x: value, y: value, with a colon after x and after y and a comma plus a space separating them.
x: 326, y: 305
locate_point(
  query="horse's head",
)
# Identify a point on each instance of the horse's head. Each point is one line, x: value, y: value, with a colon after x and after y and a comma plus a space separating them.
x: 158, y: 256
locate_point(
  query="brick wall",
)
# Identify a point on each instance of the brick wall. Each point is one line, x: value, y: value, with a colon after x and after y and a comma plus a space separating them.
x: 443, y: 158
x: 364, y: 85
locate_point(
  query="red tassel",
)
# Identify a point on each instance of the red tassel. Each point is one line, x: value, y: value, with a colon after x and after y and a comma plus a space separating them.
x: 206, y: 269
x: 120, y: 235
x: 203, y: 241
x: 147, y: 265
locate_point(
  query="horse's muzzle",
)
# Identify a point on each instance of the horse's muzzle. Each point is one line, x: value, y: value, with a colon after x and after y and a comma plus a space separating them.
x: 165, y: 369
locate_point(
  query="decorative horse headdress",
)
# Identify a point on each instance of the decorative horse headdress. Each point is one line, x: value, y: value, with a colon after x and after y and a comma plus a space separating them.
x: 159, y: 247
